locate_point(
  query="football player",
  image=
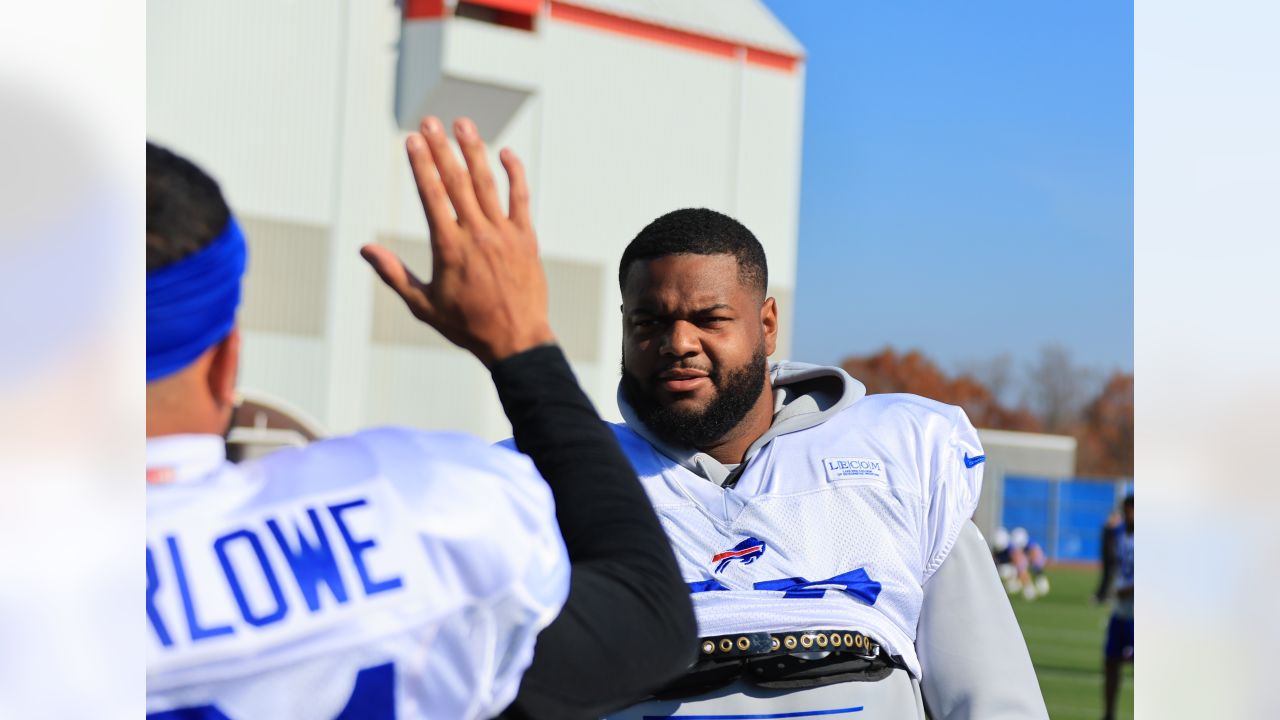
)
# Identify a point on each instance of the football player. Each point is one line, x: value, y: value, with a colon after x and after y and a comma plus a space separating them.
x: 1027, y: 559
x: 825, y: 535
x: 393, y: 573
x: 1119, y: 646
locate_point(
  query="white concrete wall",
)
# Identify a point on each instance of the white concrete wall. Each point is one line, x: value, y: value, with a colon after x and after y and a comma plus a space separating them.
x: 291, y: 106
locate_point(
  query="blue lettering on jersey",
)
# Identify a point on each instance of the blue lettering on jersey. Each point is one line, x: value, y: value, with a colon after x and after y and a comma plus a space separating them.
x: 311, y: 564
x: 970, y: 462
x: 855, y: 582
x: 358, y: 548
x: 198, y: 632
x: 706, y: 586
x: 153, y: 615
x: 233, y: 579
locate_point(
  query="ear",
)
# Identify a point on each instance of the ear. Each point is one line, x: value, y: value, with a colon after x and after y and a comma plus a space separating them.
x: 223, y: 367
x: 769, y: 322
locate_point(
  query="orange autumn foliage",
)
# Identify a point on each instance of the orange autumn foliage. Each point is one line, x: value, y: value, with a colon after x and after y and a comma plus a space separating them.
x: 1103, y: 429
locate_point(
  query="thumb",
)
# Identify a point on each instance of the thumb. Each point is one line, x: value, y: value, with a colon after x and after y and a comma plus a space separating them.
x: 399, y: 278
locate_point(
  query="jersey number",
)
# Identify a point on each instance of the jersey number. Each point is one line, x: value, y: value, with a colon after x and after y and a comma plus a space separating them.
x: 374, y: 697
x: 855, y: 582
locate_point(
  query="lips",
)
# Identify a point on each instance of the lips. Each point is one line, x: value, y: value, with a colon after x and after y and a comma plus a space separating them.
x: 678, y: 380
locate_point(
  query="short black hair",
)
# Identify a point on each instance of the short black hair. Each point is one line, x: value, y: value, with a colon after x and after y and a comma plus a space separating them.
x: 699, y: 231
x: 185, y: 208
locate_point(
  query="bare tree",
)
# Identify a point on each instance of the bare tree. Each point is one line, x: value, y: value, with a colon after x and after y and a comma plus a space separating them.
x: 1058, y: 389
x: 997, y: 374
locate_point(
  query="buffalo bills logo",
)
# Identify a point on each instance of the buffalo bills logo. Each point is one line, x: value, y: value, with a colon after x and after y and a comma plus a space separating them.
x: 746, y: 551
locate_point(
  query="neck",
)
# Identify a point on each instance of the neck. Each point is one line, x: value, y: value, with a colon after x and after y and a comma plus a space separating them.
x: 170, y: 412
x: 732, y: 448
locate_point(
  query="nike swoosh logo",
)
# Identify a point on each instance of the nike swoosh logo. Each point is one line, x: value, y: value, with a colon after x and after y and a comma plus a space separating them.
x: 971, y: 461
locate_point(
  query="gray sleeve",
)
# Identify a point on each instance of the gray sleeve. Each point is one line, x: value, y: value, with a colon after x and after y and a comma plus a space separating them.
x: 974, y: 661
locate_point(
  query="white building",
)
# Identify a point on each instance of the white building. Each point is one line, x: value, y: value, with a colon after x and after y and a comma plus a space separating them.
x: 622, y: 110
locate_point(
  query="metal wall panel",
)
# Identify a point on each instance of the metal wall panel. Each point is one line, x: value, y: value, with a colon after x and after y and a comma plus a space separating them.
x: 393, y: 324
x: 286, y: 285
x: 576, y: 314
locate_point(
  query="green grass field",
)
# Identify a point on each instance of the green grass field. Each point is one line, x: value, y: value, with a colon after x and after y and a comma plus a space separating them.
x: 1065, y: 632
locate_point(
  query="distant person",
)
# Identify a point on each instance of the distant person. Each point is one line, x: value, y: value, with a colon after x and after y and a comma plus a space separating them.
x: 393, y: 573
x: 1108, y: 544
x: 1029, y: 562
x: 1020, y: 562
x: 1119, y: 646
x: 824, y: 534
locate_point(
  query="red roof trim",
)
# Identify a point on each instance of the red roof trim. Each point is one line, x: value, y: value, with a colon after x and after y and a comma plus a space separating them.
x: 423, y: 9
x: 630, y: 27
x: 568, y: 12
x: 430, y: 9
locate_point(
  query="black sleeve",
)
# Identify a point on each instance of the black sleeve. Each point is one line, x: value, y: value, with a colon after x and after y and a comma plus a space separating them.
x: 1108, y: 564
x: 627, y: 627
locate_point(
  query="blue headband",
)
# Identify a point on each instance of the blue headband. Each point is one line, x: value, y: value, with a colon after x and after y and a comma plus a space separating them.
x: 191, y: 304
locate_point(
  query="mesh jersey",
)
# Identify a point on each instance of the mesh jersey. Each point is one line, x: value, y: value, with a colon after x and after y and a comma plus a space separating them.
x: 390, y: 573
x: 882, y: 487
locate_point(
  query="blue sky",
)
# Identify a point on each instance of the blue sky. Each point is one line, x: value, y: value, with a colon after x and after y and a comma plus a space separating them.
x: 967, y: 187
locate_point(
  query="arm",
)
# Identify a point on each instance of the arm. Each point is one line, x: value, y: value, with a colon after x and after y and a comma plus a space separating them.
x: 627, y: 625
x: 972, y: 654
x: 1108, y: 562
x: 625, y: 591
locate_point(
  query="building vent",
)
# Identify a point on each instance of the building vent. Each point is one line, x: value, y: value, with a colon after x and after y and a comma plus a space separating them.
x: 286, y: 285
x: 574, y: 289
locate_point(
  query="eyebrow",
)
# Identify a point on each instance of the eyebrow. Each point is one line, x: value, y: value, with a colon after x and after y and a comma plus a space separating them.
x: 644, y: 309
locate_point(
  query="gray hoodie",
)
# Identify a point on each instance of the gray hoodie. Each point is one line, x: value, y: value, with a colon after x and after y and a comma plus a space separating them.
x: 973, y: 658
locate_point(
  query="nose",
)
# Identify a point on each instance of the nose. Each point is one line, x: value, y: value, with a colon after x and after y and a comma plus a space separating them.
x: 680, y: 340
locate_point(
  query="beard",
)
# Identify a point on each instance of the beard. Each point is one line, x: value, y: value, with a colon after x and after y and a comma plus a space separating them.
x: 737, y: 391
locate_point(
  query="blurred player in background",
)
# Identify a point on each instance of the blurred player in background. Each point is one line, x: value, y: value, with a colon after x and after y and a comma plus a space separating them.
x: 824, y: 534
x: 1114, y: 520
x: 1119, y: 647
x: 1021, y: 562
x: 393, y: 573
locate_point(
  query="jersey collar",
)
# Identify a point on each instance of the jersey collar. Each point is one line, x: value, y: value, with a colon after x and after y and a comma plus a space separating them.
x: 183, y: 458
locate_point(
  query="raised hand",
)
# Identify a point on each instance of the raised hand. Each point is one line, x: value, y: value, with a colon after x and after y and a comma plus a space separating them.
x: 488, y: 292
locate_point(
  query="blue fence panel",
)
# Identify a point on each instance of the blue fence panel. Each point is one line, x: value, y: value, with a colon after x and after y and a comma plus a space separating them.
x: 1028, y: 504
x: 1064, y: 516
x: 1082, y: 510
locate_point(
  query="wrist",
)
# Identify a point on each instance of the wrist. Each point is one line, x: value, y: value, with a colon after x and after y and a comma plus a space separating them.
x: 495, y: 353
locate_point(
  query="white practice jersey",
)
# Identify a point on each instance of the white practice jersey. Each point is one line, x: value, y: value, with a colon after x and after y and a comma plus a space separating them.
x: 837, y: 526
x: 386, y: 574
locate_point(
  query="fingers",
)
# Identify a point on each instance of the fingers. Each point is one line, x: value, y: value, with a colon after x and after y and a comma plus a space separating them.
x: 435, y: 201
x: 478, y: 163
x: 400, y: 279
x: 457, y: 181
x: 519, y: 213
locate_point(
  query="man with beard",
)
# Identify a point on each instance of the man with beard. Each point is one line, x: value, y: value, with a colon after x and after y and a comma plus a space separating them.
x: 824, y: 534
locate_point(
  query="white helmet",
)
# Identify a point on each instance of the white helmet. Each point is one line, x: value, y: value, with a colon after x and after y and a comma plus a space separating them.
x: 1019, y: 538
x: 1000, y: 541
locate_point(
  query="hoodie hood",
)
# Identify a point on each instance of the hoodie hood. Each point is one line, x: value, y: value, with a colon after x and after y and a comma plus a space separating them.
x: 804, y: 396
